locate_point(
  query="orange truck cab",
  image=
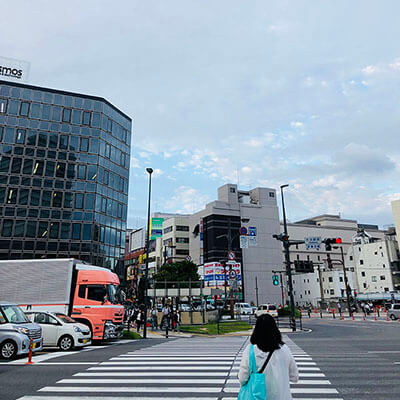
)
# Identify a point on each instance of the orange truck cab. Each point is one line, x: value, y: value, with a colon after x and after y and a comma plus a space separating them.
x: 87, y: 293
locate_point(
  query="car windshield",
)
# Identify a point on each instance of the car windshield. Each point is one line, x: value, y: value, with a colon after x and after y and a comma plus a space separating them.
x: 246, y: 305
x: 64, y: 318
x: 271, y: 308
x: 112, y: 293
x: 14, y: 314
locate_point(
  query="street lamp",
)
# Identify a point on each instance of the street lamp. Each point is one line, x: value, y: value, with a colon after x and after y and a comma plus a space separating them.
x: 146, y: 273
x: 286, y: 246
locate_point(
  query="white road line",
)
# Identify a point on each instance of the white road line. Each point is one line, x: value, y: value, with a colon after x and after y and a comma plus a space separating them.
x: 121, y: 358
x: 152, y: 373
x: 306, y: 363
x: 300, y: 382
x: 149, y: 380
x: 56, y: 363
x: 164, y: 368
x: 125, y: 389
x: 114, y: 398
x: 293, y: 390
x: 211, y: 363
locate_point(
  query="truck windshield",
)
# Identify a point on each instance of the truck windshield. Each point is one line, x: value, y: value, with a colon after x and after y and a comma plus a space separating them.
x: 112, y: 294
x: 14, y: 314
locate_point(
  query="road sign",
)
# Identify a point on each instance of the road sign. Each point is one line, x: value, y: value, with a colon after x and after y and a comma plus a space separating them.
x: 243, y: 230
x: 232, y: 274
x: 231, y: 255
x: 244, y: 242
x: 313, y: 242
x: 188, y: 258
x: 252, y: 241
x: 252, y: 231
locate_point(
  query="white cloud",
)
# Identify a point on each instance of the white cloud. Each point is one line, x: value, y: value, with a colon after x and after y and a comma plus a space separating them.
x: 186, y: 200
x: 370, y: 70
x: 296, y: 124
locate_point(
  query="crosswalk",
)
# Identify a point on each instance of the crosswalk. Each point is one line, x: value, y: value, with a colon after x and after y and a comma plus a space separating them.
x: 185, y: 369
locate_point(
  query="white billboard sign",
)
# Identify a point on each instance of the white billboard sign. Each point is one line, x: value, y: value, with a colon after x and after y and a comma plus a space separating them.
x: 14, y: 70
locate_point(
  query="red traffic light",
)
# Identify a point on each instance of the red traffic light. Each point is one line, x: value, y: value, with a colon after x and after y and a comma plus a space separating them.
x: 338, y: 240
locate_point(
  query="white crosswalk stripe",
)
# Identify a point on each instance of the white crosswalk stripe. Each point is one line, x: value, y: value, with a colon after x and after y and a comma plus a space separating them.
x: 191, y: 368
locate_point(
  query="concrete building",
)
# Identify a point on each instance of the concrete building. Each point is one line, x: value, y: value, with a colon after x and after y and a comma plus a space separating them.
x: 325, y: 283
x: 396, y: 217
x: 64, y: 175
x: 215, y: 230
x: 175, y: 239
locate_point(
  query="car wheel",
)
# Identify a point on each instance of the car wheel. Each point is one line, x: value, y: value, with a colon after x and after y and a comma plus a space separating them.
x: 8, y: 350
x: 393, y: 317
x: 66, y: 343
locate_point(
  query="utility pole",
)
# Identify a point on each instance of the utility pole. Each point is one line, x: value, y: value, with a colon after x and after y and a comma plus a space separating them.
x: 284, y: 238
x: 282, y: 292
x: 346, y: 283
x: 256, y: 292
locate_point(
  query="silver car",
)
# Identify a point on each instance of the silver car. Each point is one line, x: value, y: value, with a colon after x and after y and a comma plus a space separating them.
x: 394, y: 311
x: 16, y: 331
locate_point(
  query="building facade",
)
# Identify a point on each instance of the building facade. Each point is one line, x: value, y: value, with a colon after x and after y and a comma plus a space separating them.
x: 215, y: 230
x: 64, y: 175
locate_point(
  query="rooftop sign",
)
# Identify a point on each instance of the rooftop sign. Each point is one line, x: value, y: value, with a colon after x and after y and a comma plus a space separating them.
x: 14, y: 70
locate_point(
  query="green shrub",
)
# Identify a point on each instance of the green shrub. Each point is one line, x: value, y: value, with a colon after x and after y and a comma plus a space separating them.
x: 130, y: 335
x: 285, y: 311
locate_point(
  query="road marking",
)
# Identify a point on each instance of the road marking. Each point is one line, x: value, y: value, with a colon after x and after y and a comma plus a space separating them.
x: 167, y: 363
x: 124, y: 358
x: 117, y: 398
x: 144, y: 368
x: 292, y: 390
x: 127, y: 389
x: 55, y: 363
x: 155, y: 374
x: 148, y: 380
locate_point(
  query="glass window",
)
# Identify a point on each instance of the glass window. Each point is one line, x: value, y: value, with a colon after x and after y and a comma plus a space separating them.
x: 19, y: 228
x: 65, y: 230
x: 9, y: 134
x: 76, y: 117
x: 12, y: 196
x: 53, y: 141
x: 32, y: 137
x: 20, y: 137
x: 42, y: 142
x: 35, y: 110
x: 50, y: 165
x: 76, y: 231
x: 79, y: 200
x: 31, y: 229
x: 46, y: 112
x: 87, y: 232
x: 7, y: 227
x: 38, y: 168
x: 3, y: 106
x: 64, y: 142
x: 16, y: 165
x: 5, y: 164
x: 108, y: 151
x: 44, y: 213
x: 27, y: 168
x: 89, y: 201
x: 46, y: 198
x: 66, y: 115
x: 81, y: 171
x: 96, y: 120
x: 56, y: 116
x: 106, y: 177
x: 73, y: 142
x: 42, y: 231
x: 35, y: 198
x: 23, y: 197
x: 60, y: 170
x: 84, y: 144
x: 24, y: 110
x: 57, y: 199
x: 94, y: 146
x: 86, y: 118
x: 54, y: 227
x: 92, y: 172
x: 13, y: 107
x: 71, y: 171
x: 68, y: 200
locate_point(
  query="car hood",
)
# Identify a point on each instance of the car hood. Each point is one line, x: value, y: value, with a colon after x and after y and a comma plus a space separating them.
x: 27, y: 325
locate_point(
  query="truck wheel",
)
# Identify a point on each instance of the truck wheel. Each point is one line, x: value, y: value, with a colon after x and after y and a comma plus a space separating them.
x: 66, y: 343
x: 8, y: 350
x: 393, y: 317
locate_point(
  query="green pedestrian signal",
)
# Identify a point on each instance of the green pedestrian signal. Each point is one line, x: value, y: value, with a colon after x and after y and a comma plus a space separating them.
x: 275, y: 280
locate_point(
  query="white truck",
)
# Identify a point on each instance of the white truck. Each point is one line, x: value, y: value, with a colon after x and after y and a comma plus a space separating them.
x: 86, y: 293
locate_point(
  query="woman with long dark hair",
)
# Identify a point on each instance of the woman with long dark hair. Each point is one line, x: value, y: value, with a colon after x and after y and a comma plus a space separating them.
x: 273, y: 358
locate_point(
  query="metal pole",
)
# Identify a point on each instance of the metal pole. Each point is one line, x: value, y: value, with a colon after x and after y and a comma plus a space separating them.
x: 346, y: 283
x: 256, y: 292
x: 146, y: 274
x: 282, y: 294
x: 286, y: 247
x: 321, y: 287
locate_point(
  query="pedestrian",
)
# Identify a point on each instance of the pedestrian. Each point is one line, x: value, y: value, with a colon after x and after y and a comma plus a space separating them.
x: 165, y: 317
x: 339, y: 308
x: 175, y: 320
x: 366, y: 309
x: 154, y: 319
x: 138, y: 320
x: 273, y: 358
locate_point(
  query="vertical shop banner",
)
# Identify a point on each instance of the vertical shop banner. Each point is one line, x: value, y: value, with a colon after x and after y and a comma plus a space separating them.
x: 156, y: 228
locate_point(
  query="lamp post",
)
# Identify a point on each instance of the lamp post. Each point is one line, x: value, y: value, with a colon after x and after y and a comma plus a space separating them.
x: 286, y: 246
x: 146, y: 272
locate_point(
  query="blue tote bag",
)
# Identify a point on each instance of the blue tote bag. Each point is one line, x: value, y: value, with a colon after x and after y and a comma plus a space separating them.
x: 255, y: 388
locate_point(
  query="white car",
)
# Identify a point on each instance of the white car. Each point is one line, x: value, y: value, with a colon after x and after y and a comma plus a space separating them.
x: 266, y: 309
x: 243, y: 309
x: 61, y: 330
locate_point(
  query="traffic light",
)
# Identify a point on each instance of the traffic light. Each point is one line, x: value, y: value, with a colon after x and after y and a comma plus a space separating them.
x: 303, y: 266
x: 331, y: 242
x: 275, y: 280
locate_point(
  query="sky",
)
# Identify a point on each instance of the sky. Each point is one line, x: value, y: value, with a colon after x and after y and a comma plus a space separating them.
x: 259, y: 93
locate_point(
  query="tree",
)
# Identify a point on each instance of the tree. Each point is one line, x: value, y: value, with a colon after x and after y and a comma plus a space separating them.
x: 182, y: 271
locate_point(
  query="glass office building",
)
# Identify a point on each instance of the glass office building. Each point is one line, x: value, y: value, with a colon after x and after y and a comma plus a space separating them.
x: 64, y: 175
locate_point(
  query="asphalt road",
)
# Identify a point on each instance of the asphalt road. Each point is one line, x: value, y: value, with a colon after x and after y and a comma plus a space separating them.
x: 359, y: 358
